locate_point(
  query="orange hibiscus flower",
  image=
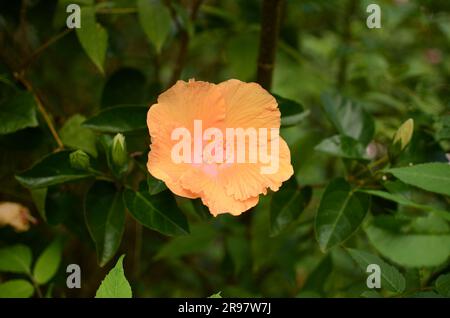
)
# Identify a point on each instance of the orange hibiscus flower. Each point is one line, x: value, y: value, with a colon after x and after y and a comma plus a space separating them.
x: 228, y: 175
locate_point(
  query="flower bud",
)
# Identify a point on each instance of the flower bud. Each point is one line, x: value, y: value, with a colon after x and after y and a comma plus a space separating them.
x: 79, y: 160
x: 119, y: 151
x: 404, y: 134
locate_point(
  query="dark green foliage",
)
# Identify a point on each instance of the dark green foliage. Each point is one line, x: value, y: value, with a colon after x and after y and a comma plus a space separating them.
x: 365, y: 113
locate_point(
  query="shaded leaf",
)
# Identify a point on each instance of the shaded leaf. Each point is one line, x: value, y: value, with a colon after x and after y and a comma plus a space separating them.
x: 39, y: 196
x: 434, y: 177
x: 391, y: 278
x: 292, y: 112
x: 340, y: 213
x: 349, y: 118
x: 17, y: 112
x: 105, y: 219
x: 343, y: 146
x: 119, y: 119
x: 400, y: 199
x: 158, y: 212
x: 53, y: 169
x: 155, y: 186
x: 287, y: 204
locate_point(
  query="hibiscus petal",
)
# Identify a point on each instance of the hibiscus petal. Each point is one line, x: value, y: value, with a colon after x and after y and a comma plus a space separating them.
x: 213, y: 194
x: 246, y: 180
x: 249, y: 105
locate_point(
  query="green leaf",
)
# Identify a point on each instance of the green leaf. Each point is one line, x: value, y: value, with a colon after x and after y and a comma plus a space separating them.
x: 391, y: 278
x: 119, y: 119
x: 349, y: 118
x: 48, y: 262
x: 158, y: 212
x: 16, y: 288
x: 340, y: 213
x: 15, y: 259
x: 410, y: 250
x: 115, y: 284
x: 93, y: 37
x: 74, y: 135
x: 442, y: 285
x: 53, y: 169
x: 343, y: 146
x: 434, y: 177
x: 292, y: 112
x: 105, y: 218
x: 406, y: 202
x: 155, y: 186
x: 216, y: 295
x: 17, y: 112
x: 39, y: 198
x: 155, y: 20
x: 287, y: 204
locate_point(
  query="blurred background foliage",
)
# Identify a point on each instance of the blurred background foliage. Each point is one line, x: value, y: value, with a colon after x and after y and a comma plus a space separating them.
x: 327, y: 60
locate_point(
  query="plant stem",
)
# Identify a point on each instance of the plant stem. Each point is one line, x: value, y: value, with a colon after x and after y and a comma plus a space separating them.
x: 36, y: 286
x: 270, y: 25
x: 369, y: 167
x: 21, y: 78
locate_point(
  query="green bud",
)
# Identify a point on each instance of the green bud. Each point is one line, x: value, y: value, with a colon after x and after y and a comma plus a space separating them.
x: 119, y: 151
x: 79, y: 160
x: 404, y: 134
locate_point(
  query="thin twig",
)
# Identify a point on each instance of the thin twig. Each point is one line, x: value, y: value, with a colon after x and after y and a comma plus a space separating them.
x: 44, y: 46
x: 36, y: 286
x: 270, y: 25
x: 21, y: 78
